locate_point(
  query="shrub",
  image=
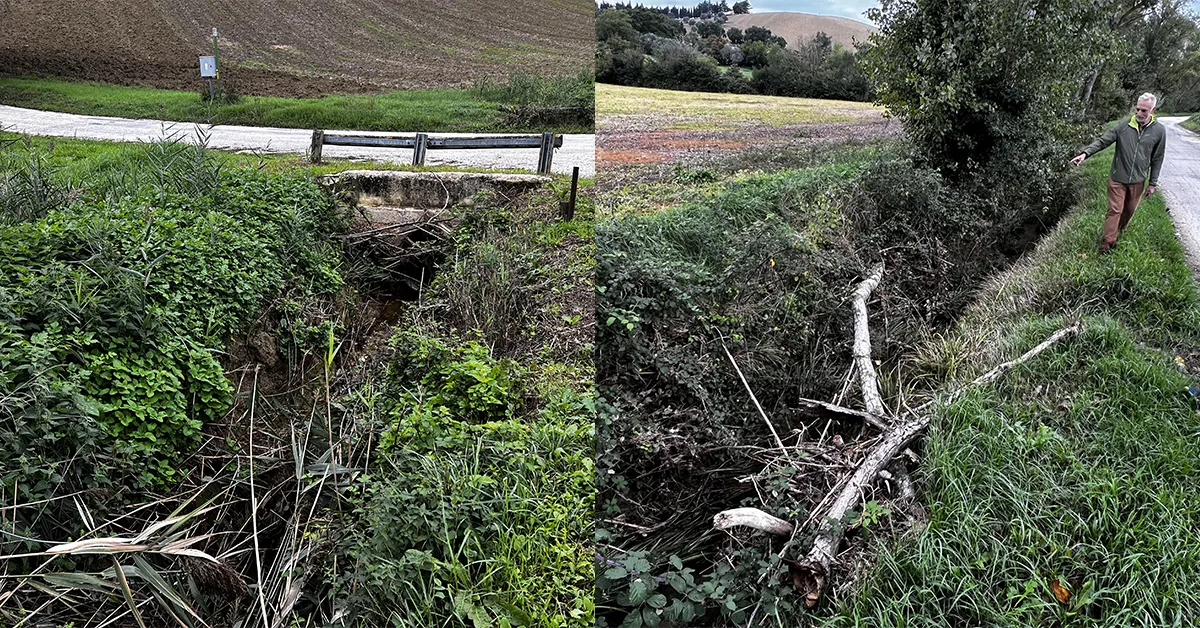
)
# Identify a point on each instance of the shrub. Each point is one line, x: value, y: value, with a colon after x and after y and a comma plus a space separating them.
x: 680, y: 67
x: 113, y: 302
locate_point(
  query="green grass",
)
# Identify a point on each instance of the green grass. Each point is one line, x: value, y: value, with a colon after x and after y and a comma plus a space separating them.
x: 437, y: 110
x: 1192, y: 123
x: 80, y: 160
x: 1079, y: 467
x: 724, y: 109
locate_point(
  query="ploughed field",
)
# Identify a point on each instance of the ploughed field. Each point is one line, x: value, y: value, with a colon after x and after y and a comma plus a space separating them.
x: 271, y: 47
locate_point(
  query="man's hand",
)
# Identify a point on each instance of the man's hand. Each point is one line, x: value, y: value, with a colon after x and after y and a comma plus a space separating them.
x: 1078, y: 159
x: 1149, y: 191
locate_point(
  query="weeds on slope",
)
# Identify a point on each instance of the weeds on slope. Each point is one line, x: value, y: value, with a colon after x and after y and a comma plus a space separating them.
x: 1065, y: 493
x: 116, y: 300
x: 762, y: 265
x: 479, y: 506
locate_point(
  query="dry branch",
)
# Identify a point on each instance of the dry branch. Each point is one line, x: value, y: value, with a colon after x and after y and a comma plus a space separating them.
x: 778, y: 441
x: 751, y: 518
x: 862, y: 345
x: 812, y: 573
x: 829, y: 410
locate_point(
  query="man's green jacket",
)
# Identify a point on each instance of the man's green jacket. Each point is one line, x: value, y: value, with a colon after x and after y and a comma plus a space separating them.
x: 1139, y: 151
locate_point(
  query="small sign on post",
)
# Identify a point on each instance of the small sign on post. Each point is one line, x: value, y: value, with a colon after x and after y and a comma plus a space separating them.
x: 208, y: 67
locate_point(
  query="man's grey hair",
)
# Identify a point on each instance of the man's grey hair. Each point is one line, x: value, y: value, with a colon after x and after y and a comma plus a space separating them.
x: 1151, y: 98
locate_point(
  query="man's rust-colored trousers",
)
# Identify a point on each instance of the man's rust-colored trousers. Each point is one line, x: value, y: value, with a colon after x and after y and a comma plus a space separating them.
x: 1123, y: 199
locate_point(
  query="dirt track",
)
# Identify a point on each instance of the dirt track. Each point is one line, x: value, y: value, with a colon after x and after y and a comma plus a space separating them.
x: 276, y: 47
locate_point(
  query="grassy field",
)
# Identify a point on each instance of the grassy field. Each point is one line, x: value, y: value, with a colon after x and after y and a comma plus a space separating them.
x: 433, y: 110
x: 1192, y: 123
x: 1076, y: 472
x: 616, y: 100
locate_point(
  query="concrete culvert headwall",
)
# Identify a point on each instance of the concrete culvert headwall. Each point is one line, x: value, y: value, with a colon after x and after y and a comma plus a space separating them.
x: 384, y: 193
x: 406, y: 217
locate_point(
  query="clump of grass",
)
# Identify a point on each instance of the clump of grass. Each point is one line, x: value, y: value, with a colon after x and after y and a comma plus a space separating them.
x: 531, y: 100
x: 1192, y: 123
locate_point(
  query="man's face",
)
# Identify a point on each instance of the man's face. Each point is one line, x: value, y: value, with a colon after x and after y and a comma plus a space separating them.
x: 1143, y: 111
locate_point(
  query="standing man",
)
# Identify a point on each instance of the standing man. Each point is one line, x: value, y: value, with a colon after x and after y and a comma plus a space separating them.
x: 1141, y: 143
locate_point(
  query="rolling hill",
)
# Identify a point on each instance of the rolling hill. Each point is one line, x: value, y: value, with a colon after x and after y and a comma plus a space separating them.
x: 287, y: 48
x: 798, y: 28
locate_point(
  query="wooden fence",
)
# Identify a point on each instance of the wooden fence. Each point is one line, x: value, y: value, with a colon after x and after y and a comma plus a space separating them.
x: 422, y: 142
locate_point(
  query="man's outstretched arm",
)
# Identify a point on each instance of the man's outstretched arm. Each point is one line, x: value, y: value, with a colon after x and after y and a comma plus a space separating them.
x: 1109, y: 137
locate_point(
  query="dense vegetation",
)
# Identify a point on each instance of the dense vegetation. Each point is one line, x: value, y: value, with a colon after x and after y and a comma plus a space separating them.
x: 750, y: 276
x: 479, y: 509
x: 190, y: 340
x: 1136, y: 46
x: 762, y: 269
x: 691, y: 50
x: 1075, y: 472
x: 525, y: 102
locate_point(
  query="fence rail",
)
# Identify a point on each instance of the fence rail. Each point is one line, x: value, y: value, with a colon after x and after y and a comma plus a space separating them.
x: 422, y: 142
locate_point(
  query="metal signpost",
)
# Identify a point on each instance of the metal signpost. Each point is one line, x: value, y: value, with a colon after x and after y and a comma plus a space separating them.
x: 210, y: 70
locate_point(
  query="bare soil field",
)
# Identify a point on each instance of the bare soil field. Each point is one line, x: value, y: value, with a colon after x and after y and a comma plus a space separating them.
x: 279, y: 48
x: 798, y: 28
x: 636, y: 137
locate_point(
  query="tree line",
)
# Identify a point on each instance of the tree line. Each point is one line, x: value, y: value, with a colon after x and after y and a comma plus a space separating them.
x: 1138, y: 45
x: 648, y: 47
x: 701, y: 10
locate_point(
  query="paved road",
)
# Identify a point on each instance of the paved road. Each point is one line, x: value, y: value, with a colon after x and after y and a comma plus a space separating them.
x: 577, y: 150
x: 1180, y: 184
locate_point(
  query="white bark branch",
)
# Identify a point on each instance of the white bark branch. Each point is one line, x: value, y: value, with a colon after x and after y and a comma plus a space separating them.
x: 752, y: 518
x: 821, y: 408
x: 862, y: 345
x: 815, y: 567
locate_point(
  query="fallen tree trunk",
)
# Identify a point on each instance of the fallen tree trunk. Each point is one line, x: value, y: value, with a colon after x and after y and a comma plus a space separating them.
x: 811, y: 574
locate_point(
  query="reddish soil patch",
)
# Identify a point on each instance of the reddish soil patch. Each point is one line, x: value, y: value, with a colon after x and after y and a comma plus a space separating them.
x: 687, y: 144
x: 625, y: 141
x: 606, y: 156
x: 275, y: 47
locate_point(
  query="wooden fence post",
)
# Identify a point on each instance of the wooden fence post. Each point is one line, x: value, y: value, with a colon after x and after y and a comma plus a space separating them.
x: 546, y: 156
x: 419, y: 149
x: 318, y: 140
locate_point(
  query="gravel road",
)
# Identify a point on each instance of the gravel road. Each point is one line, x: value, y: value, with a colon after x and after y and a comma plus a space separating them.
x: 577, y: 150
x: 1179, y: 182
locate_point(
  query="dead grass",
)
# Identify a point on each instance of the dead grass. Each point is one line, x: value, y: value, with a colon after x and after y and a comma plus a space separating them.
x: 724, y: 110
